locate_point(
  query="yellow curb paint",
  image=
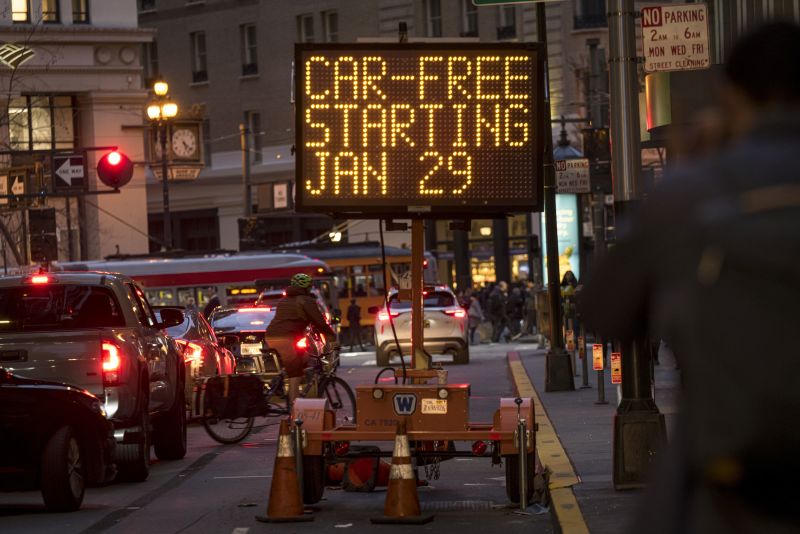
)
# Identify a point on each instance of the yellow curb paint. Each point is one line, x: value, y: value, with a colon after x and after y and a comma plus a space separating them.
x: 549, y: 448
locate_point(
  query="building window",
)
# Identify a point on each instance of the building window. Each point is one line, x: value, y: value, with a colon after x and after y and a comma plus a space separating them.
x: 330, y: 26
x: 150, y: 62
x: 591, y: 14
x: 37, y: 122
x: 207, y: 142
x: 506, y: 23
x: 199, y: 68
x: 20, y: 11
x: 305, y: 28
x: 469, y: 19
x: 50, y: 14
x: 80, y: 11
x: 252, y: 120
x: 147, y: 5
x: 433, y: 18
x: 249, y: 49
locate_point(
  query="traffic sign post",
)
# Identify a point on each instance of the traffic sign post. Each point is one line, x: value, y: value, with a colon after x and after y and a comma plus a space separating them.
x: 675, y: 37
x: 69, y: 172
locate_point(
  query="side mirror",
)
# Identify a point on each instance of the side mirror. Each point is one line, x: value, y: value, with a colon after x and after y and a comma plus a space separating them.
x: 373, y: 309
x: 170, y: 317
x: 229, y: 340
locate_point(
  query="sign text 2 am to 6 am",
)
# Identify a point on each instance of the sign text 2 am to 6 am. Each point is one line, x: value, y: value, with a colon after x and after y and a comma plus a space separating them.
x: 428, y: 129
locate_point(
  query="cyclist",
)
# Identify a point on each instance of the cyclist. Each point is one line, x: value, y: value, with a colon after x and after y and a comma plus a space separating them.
x: 293, y: 314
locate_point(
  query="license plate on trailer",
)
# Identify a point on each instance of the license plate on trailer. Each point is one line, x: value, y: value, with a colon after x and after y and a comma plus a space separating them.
x: 251, y: 349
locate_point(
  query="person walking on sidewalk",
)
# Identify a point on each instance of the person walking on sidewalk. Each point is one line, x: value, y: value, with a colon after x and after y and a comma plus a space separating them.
x: 714, y: 252
x: 498, y: 307
x: 354, y: 318
x: 475, y: 317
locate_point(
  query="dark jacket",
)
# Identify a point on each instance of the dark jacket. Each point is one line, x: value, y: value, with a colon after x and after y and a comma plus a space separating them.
x: 711, y: 263
x: 498, y: 303
x: 354, y: 314
x: 295, y: 312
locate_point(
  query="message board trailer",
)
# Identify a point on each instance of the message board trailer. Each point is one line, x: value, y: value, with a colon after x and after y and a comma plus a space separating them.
x: 434, y: 130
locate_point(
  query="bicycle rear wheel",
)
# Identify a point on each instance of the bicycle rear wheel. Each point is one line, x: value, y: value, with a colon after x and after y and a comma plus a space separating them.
x: 341, y: 398
x: 228, y: 431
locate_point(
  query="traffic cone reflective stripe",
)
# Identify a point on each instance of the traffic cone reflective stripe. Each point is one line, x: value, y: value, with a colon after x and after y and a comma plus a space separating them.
x: 285, y: 500
x: 402, y: 501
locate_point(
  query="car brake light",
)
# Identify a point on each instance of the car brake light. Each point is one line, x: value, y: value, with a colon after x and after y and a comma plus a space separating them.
x: 111, y: 362
x: 302, y: 343
x: 456, y: 313
x: 40, y: 279
x: 258, y: 309
x: 384, y: 316
x: 192, y: 352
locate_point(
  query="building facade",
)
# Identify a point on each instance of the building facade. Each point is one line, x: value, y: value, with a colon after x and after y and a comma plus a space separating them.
x: 73, y: 79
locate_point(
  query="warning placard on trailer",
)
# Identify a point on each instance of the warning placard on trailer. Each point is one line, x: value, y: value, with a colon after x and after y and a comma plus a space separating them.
x: 675, y: 37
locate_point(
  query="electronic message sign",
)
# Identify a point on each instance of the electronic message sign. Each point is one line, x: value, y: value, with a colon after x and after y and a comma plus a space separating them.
x: 432, y: 130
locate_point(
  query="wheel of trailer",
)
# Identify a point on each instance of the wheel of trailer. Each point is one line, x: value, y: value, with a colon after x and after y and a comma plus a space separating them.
x: 228, y: 431
x: 512, y: 476
x: 169, y: 439
x: 63, y: 475
x: 133, y: 459
x: 313, y: 478
x: 461, y: 356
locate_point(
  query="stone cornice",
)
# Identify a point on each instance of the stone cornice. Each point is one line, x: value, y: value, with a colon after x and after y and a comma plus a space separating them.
x: 41, y: 34
x: 77, y: 69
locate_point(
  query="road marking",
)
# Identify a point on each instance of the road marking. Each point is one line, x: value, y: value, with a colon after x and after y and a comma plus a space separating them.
x: 549, y: 447
x: 244, y: 476
x: 241, y: 530
x: 369, y: 362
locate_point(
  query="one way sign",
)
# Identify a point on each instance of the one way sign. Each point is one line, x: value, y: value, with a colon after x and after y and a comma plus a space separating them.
x: 69, y: 172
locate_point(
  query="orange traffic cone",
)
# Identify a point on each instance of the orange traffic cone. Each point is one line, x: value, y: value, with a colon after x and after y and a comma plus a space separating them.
x: 285, y: 502
x: 402, y: 501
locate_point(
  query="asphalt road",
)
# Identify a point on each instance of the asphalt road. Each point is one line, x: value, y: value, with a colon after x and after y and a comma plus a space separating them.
x: 220, y: 488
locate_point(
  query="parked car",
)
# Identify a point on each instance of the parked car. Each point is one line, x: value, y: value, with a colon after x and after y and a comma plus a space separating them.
x: 203, y: 354
x: 244, y: 328
x: 98, y: 332
x: 444, y: 320
x: 53, y: 437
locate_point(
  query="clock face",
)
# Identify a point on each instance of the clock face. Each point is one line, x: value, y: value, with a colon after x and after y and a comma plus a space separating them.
x: 184, y: 143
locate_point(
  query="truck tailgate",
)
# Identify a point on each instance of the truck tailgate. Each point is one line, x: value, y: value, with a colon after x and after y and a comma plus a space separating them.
x: 65, y: 356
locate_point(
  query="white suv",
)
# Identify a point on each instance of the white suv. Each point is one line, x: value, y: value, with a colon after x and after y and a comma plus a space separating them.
x: 445, y: 325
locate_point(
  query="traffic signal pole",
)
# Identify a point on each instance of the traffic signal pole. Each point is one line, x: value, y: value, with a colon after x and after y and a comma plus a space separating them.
x: 639, y: 428
x: 558, y: 364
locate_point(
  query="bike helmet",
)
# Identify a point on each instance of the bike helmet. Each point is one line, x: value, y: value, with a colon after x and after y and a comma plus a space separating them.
x: 303, y: 281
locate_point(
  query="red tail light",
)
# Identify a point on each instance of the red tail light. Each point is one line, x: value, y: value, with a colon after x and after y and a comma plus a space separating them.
x: 301, y: 344
x: 192, y: 352
x: 342, y: 448
x: 40, y: 279
x: 456, y: 313
x: 111, y: 362
x: 479, y: 448
x: 257, y: 309
x: 384, y: 316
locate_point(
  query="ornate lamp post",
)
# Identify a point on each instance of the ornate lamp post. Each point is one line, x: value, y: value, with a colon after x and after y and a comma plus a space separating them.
x: 160, y: 112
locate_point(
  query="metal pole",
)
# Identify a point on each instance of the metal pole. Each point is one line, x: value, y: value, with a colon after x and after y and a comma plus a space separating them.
x: 558, y: 376
x: 70, y: 247
x: 639, y: 428
x: 165, y: 183
x: 298, y: 451
x: 601, y: 380
x: 584, y: 358
x: 244, y: 133
x: 26, y: 249
x: 419, y: 360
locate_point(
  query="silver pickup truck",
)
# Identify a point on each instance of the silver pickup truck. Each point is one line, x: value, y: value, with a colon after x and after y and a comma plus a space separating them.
x: 98, y: 332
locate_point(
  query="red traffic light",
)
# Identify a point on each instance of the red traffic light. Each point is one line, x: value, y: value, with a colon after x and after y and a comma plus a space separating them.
x: 115, y: 169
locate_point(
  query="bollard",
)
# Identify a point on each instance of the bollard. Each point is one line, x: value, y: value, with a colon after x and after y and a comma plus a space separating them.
x: 585, y: 360
x: 298, y: 451
x: 522, y: 444
x: 601, y: 381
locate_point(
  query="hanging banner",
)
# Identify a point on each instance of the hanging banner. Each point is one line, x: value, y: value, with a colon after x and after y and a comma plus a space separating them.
x: 616, y: 368
x: 597, y: 357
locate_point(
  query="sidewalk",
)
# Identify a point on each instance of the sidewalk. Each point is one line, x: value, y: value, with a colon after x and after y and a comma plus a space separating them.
x: 585, y: 430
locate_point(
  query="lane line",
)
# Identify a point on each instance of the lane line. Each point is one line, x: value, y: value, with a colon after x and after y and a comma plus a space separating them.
x: 243, y: 476
x: 552, y: 454
x: 241, y: 530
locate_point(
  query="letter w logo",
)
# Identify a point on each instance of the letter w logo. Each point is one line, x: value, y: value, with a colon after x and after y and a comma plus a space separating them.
x: 405, y: 403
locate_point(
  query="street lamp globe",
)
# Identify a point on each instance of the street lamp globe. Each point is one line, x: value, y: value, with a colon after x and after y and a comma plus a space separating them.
x: 160, y: 88
x: 169, y: 109
x: 154, y: 112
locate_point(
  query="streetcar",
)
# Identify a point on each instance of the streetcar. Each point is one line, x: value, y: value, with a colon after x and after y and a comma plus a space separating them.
x: 236, y: 279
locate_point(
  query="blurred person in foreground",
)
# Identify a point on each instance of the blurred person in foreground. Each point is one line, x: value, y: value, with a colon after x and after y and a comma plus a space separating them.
x: 713, y: 261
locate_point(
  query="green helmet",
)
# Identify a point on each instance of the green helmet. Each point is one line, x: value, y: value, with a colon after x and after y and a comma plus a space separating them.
x: 301, y: 280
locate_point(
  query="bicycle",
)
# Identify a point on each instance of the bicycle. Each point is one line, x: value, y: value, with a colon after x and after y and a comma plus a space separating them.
x: 321, y: 382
